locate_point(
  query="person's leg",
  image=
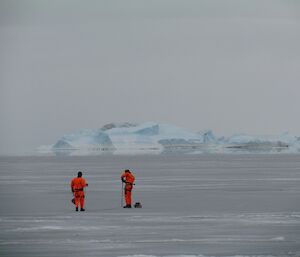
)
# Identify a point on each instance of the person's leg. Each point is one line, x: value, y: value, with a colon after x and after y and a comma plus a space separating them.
x: 125, y: 196
x: 82, y: 200
x: 77, y: 200
x: 128, y: 196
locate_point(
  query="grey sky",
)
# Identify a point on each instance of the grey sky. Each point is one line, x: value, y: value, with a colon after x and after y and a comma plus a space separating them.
x: 231, y: 66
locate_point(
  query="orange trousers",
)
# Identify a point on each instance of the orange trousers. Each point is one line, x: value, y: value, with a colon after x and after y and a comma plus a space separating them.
x: 79, y: 199
x: 127, y: 194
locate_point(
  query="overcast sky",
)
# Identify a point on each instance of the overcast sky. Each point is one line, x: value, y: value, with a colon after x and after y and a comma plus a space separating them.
x: 230, y: 66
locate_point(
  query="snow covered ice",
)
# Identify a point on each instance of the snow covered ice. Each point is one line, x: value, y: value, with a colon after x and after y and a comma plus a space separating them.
x: 193, y: 205
x: 155, y: 138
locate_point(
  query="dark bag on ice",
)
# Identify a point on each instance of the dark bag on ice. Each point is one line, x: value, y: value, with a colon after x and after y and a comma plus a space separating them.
x: 137, y: 205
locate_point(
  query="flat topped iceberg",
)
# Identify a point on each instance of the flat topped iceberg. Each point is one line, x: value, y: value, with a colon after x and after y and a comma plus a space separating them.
x: 151, y: 137
x: 128, y: 137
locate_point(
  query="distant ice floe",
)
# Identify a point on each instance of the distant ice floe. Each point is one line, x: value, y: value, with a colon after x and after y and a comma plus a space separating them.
x: 156, y: 138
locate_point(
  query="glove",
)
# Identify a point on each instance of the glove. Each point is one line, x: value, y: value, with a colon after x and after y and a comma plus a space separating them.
x: 123, y: 180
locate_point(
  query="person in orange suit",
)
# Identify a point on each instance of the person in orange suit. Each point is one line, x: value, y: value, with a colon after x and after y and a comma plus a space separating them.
x: 128, y: 178
x: 77, y: 186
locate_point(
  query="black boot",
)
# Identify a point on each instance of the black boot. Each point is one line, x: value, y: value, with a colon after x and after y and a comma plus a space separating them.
x: 81, y: 209
x: 76, y: 209
x: 127, y: 206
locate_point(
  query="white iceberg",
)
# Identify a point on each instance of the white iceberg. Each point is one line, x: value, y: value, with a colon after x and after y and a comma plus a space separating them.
x: 258, y: 143
x: 83, y: 142
x: 150, y: 136
x: 156, y: 138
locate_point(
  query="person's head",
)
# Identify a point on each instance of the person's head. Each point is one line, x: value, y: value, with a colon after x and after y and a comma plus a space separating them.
x: 127, y: 171
x: 79, y: 174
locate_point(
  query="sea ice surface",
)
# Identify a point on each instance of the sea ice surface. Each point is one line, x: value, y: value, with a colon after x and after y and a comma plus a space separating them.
x: 193, y: 205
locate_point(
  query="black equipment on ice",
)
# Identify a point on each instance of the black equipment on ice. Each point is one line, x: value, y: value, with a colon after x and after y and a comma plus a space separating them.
x: 137, y: 205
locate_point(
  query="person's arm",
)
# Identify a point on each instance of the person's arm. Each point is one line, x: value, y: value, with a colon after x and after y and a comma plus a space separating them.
x: 84, y: 183
x: 123, y: 178
x: 72, y: 184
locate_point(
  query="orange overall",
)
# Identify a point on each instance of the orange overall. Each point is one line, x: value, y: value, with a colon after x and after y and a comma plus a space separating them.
x: 129, y: 178
x: 77, y: 186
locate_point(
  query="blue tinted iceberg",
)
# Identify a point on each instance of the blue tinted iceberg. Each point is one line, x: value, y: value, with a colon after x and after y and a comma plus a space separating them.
x: 151, y: 137
x: 84, y: 142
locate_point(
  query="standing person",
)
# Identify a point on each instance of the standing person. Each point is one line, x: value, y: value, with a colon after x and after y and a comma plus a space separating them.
x: 77, y: 185
x: 128, y: 178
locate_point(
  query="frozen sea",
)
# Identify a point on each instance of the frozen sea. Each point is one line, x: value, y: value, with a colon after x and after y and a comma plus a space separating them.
x: 193, y: 205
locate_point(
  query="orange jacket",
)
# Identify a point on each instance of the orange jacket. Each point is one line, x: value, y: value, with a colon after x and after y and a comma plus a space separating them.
x: 128, y: 177
x: 77, y: 184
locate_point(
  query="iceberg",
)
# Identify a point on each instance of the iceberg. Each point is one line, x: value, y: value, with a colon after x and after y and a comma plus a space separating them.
x: 83, y: 142
x: 150, y: 136
x: 208, y: 137
x: 243, y: 142
x: 157, y: 138
x: 62, y: 144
